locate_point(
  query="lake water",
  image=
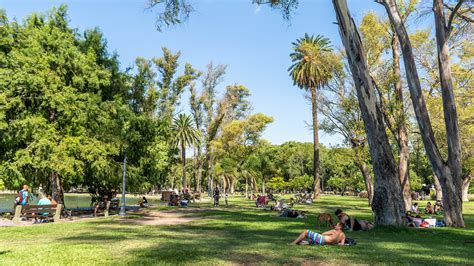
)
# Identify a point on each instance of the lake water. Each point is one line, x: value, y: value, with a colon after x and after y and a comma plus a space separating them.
x: 72, y: 200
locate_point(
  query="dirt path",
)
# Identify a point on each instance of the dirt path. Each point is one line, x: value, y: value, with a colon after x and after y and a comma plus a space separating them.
x: 147, y: 217
x: 163, y: 217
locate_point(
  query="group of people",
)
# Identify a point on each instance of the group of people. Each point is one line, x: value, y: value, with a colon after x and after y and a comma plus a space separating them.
x: 23, y: 197
x: 437, y: 208
x: 217, y: 196
x: 335, y: 236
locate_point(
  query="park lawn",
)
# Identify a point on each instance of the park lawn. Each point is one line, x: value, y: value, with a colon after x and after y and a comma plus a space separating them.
x: 239, y: 234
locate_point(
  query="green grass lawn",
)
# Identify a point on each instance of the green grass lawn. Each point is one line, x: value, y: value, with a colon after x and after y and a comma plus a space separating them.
x: 236, y: 235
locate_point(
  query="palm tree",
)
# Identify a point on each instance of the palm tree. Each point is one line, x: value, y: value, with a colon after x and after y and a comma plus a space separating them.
x: 186, y: 134
x: 313, y: 66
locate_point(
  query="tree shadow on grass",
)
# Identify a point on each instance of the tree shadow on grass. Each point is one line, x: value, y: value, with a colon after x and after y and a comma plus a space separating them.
x: 247, y: 237
x: 3, y: 252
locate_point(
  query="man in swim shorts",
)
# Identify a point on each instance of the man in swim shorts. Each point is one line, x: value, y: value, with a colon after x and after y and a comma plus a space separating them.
x: 332, y: 237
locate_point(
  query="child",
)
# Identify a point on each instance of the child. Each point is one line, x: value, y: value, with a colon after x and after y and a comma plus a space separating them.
x: 414, y: 208
x: 226, y: 200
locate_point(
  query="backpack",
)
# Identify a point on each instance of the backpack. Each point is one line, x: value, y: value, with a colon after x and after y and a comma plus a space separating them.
x: 19, y: 197
x: 350, y: 242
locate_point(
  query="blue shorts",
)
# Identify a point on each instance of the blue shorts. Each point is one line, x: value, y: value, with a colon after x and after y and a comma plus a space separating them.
x: 315, y: 238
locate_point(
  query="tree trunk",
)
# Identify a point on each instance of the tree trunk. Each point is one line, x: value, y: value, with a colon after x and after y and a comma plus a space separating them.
x: 57, y: 188
x: 448, y: 172
x: 316, y: 162
x: 402, y: 133
x: 254, y: 184
x: 224, y: 184
x: 263, y: 186
x: 369, y: 186
x: 387, y: 204
x: 199, y: 170
x: 183, y: 158
x: 438, y: 189
x: 465, y: 187
x: 364, y: 169
x: 232, y: 186
x: 246, y: 187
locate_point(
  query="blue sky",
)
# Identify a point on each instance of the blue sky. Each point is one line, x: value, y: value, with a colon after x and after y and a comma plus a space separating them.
x: 254, y: 42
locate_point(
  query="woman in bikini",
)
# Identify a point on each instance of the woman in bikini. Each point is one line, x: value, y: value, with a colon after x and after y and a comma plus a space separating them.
x: 353, y: 223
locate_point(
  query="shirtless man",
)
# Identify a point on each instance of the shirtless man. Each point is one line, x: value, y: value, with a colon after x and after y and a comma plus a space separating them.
x: 332, y: 237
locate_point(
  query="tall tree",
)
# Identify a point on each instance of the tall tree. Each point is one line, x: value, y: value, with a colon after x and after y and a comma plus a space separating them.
x: 378, y: 37
x: 448, y: 171
x: 186, y: 134
x: 313, y: 67
x: 388, y: 204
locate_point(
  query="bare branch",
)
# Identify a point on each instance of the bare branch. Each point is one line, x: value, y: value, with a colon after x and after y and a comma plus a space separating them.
x: 452, y: 15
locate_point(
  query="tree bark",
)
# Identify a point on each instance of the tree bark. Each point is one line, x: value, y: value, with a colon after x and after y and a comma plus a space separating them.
x: 465, y: 187
x: 438, y: 189
x: 232, y: 186
x: 364, y: 169
x: 199, y: 170
x: 388, y: 204
x: 448, y: 172
x: 316, y: 162
x: 246, y: 187
x: 57, y: 188
x: 224, y: 184
x: 402, y: 133
x: 254, y: 184
x: 369, y: 186
x: 183, y: 158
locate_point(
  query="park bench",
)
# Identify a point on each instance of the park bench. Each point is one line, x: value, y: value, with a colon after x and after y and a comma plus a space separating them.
x: 107, y: 207
x: 41, y: 212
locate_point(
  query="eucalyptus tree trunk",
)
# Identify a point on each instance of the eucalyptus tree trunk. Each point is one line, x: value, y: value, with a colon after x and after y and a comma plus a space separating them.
x: 224, y: 184
x: 199, y: 169
x: 364, y: 169
x: 438, y: 189
x: 449, y: 172
x: 183, y: 158
x: 232, y: 186
x: 465, y: 187
x: 402, y: 133
x: 246, y: 187
x: 369, y: 186
x: 388, y: 204
x: 254, y: 184
x: 316, y: 162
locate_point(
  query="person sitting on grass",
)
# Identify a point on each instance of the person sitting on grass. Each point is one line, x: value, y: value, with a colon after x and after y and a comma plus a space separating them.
x: 413, y: 221
x: 438, y: 207
x: 353, y: 223
x: 414, y: 208
x: 280, y: 206
x: 429, y: 208
x: 144, y: 202
x: 174, y: 200
x: 331, y: 237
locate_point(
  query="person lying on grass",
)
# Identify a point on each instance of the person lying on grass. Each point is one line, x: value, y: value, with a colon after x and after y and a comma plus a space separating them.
x: 331, y: 237
x: 353, y: 223
x: 288, y: 213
